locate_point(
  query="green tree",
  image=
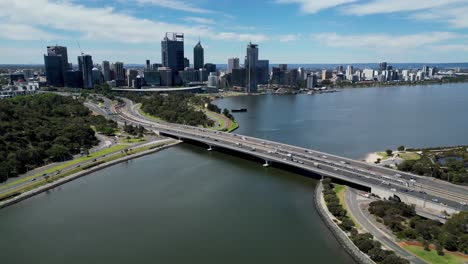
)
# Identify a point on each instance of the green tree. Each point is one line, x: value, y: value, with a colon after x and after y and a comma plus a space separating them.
x: 401, y: 148
x: 389, y: 152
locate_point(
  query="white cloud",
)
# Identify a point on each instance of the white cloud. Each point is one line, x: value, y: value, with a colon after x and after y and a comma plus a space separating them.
x: 451, y: 48
x: 288, y: 38
x: 314, y: 6
x: 240, y: 37
x: 102, y: 24
x: 176, y: 5
x: 454, y: 16
x: 24, y: 32
x: 384, y: 41
x: 200, y: 20
x: 385, y: 6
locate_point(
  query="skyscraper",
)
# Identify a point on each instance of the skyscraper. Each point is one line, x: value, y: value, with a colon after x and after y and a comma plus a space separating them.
x: 263, y: 71
x: 56, y: 64
x: 172, y: 51
x: 62, y: 52
x: 233, y: 63
x: 53, y: 69
x: 119, y: 71
x: 382, y: 66
x: 106, y: 71
x: 186, y: 63
x: 251, y: 60
x: 198, y: 56
x: 85, y: 65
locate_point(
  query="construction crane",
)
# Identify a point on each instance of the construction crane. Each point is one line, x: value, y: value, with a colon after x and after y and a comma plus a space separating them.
x: 81, y: 51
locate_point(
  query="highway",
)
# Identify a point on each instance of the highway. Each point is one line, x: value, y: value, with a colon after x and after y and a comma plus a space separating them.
x: 327, y: 165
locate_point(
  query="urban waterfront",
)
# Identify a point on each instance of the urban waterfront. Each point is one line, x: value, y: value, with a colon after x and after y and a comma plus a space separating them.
x: 187, y: 204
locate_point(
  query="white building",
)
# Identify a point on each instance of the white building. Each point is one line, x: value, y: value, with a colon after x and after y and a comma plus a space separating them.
x: 368, y: 74
x: 213, y: 80
x: 349, y: 72
x: 18, y: 89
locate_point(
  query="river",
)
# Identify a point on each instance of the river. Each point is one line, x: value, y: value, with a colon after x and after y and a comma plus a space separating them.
x: 188, y: 205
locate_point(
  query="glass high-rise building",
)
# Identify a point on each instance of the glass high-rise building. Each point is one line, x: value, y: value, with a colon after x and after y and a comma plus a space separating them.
x: 198, y: 56
x: 251, y: 61
x: 85, y: 65
x: 172, y: 51
x: 106, y: 71
x: 54, y: 70
x: 56, y: 75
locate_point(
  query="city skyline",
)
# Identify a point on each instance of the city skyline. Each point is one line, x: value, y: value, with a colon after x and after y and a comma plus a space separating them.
x: 305, y: 31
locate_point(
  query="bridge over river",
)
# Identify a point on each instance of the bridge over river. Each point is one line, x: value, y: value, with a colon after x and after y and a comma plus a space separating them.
x: 424, y: 192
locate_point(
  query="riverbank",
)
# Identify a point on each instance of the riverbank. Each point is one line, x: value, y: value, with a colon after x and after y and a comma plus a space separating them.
x: 40, y: 187
x: 342, y: 238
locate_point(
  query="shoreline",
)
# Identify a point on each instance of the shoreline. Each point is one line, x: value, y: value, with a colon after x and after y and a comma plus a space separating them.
x: 341, y: 237
x: 72, y: 177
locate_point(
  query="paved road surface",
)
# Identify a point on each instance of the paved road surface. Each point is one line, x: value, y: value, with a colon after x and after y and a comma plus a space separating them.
x: 352, y: 201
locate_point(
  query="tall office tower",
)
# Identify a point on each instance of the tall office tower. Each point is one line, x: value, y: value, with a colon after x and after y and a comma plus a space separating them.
x: 186, y: 63
x: 238, y: 77
x: 131, y: 76
x: 233, y: 63
x: 85, y: 65
x: 62, y: 52
x: 148, y: 65
x: 203, y: 75
x: 251, y: 61
x: 96, y: 76
x: 213, y: 80
x: 382, y: 66
x: 283, y: 67
x: 172, y: 51
x: 311, y: 81
x: 326, y: 74
x: 349, y: 72
x: 106, y: 71
x: 54, y: 70
x: 119, y: 71
x: 302, y: 73
x: 198, y: 56
x: 263, y: 72
x: 339, y: 68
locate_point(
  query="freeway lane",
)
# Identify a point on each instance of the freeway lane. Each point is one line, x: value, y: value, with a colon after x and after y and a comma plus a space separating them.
x: 329, y: 165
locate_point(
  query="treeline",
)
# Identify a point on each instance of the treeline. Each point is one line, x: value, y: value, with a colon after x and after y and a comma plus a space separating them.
x: 35, y: 130
x: 365, y: 241
x: 403, y: 221
x: 453, y: 170
x: 175, y: 108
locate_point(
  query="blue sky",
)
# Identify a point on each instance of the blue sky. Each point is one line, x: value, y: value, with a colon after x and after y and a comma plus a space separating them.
x: 287, y: 31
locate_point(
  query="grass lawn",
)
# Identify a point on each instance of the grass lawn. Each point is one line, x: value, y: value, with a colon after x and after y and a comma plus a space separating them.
x: 410, y: 156
x: 68, y: 163
x: 154, y: 118
x: 340, y: 192
x: 233, y: 126
x: 433, y: 258
x: 383, y: 154
x: 132, y: 140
